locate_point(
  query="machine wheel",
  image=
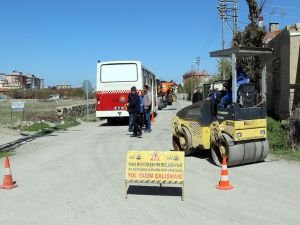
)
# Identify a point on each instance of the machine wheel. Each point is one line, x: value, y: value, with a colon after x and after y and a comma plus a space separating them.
x: 175, y: 143
x: 216, y: 155
x: 160, y: 104
x: 188, y: 148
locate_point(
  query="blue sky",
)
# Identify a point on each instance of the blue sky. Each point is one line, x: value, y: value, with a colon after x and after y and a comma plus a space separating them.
x: 61, y: 40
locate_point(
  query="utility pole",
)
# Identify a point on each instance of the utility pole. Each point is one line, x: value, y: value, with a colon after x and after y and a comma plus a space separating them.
x: 228, y: 11
x: 197, y: 61
x: 235, y: 16
x: 222, y: 11
x: 191, y: 79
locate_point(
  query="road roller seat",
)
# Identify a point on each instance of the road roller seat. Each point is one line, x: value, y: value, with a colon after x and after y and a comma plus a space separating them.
x: 200, y: 111
x: 246, y: 95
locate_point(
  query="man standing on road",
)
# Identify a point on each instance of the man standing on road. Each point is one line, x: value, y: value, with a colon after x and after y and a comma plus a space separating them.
x: 134, y: 109
x: 197, y: 96
x: 147, y: 106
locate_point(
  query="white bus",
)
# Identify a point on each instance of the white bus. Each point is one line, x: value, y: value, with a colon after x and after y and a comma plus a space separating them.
x: 114, y: 81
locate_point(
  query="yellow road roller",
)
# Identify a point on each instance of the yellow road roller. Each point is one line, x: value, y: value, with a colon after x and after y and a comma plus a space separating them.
x: 238, y: 131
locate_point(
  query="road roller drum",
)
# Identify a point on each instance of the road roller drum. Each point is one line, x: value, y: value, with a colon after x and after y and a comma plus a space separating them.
x: 248, y: 152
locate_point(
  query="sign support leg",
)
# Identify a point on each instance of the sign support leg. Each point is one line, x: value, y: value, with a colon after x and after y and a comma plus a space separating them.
x: 182, y: 192
x: 87, y: 102
x: 126, y: 189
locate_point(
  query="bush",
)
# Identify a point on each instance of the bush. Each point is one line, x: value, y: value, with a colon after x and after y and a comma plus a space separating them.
x: 294, y: 129
x: 35, y: 127
x: 277, y: 135
x: 44, y: 93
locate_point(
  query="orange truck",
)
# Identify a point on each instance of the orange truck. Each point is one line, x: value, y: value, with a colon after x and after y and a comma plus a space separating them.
x: 165, y: 93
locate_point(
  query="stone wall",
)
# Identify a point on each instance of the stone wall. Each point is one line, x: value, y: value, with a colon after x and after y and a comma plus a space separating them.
x: 74, y: 111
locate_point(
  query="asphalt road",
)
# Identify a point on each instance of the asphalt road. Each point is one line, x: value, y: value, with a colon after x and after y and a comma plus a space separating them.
x: 77, y: 177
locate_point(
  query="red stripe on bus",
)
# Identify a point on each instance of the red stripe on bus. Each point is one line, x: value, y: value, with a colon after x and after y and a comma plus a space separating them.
x: 111, y: 101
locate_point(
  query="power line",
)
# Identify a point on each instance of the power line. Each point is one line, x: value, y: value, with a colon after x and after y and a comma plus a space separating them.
x: 282, y: 15
x: 228, y: 11
x: 284, y: 7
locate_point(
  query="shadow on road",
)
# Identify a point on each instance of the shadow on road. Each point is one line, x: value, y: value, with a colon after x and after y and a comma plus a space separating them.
x: 116, y: 124
x: 154, y: 190
x: 204, y: 155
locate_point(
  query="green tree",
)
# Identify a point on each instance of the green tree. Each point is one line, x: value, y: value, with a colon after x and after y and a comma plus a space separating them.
x: 251, y: 36
x: 226, y: 64
x: 180, y: 89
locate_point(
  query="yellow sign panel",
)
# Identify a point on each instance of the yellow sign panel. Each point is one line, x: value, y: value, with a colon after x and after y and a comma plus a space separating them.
x: 155, y: 167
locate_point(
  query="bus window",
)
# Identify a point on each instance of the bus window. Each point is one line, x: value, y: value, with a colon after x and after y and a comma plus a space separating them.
x: 119, y: 73
x: 144, y: 76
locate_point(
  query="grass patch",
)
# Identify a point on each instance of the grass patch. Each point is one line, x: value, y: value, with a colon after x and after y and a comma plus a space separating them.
x: 279, y: 141
x: 7, y: 153
x: 35, y: 127
x: 43, y: 128
x: 288, y: 154
x: 67, y: 124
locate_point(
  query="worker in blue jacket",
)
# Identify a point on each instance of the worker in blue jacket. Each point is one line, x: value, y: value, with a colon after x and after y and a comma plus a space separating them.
x: 241, y: 78
x: 134, y: 109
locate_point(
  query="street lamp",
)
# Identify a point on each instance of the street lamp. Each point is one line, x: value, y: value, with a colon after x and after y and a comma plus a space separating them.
x: 191, y: 78
x: 198, y: 63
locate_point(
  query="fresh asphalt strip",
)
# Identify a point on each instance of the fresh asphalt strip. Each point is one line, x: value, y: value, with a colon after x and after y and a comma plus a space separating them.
x: 21, y: 141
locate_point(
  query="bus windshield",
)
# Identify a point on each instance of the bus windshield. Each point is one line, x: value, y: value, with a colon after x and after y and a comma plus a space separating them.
x: 119, y: 73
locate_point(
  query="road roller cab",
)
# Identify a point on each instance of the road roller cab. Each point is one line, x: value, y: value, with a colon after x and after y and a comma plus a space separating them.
x: 237, y: 130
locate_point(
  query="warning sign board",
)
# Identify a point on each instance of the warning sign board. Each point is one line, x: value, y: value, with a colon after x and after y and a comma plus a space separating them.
x: 155, y: 167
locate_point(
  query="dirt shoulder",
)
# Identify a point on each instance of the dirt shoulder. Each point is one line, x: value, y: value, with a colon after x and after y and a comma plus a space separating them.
x: 8, y: 135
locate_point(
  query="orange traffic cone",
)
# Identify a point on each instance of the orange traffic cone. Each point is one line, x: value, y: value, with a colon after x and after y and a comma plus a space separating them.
x: 8, y: 182
x: 224, y: 183
x: 152, y: 117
